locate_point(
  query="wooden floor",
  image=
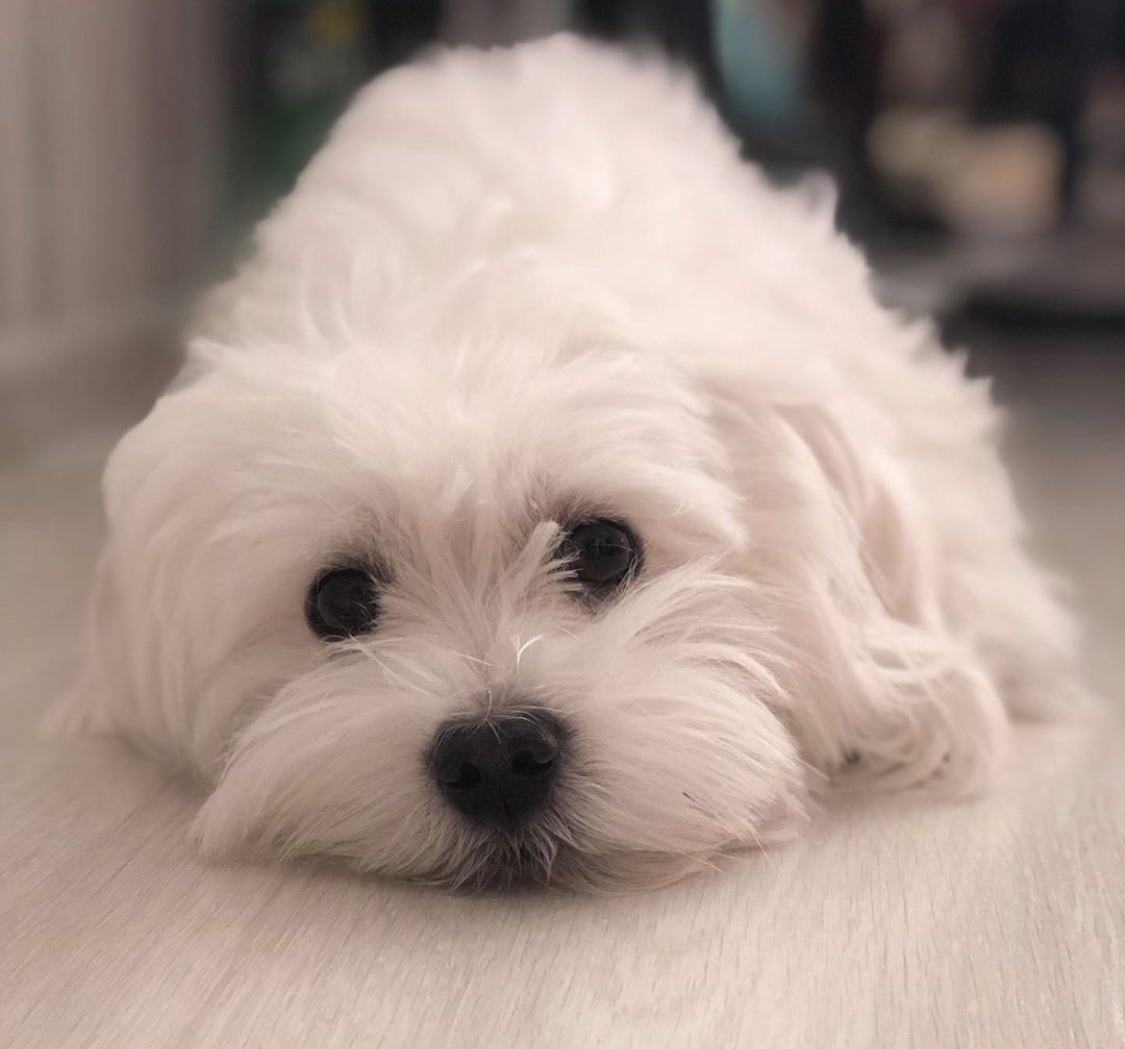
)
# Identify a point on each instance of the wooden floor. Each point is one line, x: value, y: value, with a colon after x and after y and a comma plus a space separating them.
x: 995, y: 924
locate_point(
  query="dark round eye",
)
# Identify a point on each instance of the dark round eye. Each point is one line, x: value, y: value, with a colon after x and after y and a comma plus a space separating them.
x: 602, y: 553
x: 342, y: 603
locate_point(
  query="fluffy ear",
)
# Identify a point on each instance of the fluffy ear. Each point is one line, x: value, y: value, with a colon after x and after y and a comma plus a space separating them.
x: 136, y: 676
x: 878, y: 684
x: 102, y: 680
x: 918, y: 704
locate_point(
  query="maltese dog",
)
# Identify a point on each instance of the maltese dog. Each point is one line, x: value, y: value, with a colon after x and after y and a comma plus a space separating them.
x: 548, y: 499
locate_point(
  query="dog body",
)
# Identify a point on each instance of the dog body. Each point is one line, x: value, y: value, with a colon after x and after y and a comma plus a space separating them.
x: 528, y: 311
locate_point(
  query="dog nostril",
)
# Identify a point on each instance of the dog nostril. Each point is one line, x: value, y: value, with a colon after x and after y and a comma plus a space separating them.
x: 465, y: 778
x: 529, y: 763
x: 499, y: 770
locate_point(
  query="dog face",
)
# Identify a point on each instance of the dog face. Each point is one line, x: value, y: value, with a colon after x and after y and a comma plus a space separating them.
x: 554, y: 520
x: 487, y: 625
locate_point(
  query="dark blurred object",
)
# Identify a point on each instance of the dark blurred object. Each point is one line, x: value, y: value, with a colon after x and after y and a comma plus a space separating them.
x: 976, y: 118
x: 1074, y: 278
x: 980, y: 144
x: 683, y: 29
x: 302, y: 60
x: 844, y: 56
x: 1100, y: 189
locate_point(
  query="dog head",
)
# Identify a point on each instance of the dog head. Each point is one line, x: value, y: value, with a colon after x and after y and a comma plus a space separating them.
x: 456, y: 624
x: 441, y: 560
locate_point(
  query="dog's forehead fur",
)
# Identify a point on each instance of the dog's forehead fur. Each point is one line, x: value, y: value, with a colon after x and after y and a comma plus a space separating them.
x: 416, y: 437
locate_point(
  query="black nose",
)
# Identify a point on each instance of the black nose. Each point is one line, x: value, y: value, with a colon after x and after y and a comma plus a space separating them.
x: 500, y: 769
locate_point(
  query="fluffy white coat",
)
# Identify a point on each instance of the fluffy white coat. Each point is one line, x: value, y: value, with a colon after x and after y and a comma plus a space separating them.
x: 516, y: 287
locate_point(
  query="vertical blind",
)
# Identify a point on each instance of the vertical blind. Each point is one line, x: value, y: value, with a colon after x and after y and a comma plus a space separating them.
x: 111, y: 145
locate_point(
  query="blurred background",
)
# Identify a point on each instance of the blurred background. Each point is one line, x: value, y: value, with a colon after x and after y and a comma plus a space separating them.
x: 979, y: 147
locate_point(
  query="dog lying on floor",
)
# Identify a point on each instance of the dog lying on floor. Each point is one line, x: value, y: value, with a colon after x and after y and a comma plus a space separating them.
x: 548, y: 498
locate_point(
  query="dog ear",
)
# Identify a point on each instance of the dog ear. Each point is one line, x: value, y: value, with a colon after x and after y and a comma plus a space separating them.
x: 101, y: 681
x: 879, y: 685
x: 917, y: 705
x: 132, y: 679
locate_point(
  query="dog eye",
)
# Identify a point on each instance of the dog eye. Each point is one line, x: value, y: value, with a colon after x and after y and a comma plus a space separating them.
x: 601, y: 553
x: 342, y: 603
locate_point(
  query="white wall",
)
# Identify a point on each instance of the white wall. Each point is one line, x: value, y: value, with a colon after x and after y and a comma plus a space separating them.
x: 111, y: 143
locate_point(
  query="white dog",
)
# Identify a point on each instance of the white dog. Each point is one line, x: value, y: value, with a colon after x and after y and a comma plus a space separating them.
x: 549, y: 497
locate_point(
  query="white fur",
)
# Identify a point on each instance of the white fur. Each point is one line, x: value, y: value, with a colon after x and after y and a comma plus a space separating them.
x: 515, y: 287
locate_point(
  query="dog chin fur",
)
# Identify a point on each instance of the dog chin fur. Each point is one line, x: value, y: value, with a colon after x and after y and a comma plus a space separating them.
x: 516, y: 288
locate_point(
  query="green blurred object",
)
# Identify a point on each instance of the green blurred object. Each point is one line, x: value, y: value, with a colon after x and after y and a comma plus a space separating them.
x: 306, y: 58
x: 759, y: 65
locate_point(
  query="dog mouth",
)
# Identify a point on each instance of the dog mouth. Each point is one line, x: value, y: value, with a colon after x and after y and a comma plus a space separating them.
x: 508, y: 867
x: 530, y: 855
x: 534, y: 862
